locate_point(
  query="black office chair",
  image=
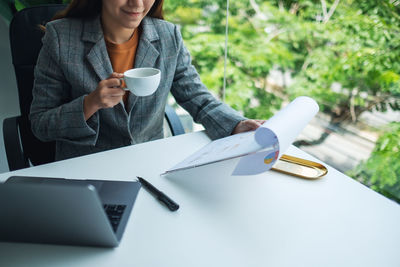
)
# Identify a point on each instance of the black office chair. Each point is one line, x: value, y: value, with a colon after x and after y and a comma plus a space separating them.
x: 22, y: 147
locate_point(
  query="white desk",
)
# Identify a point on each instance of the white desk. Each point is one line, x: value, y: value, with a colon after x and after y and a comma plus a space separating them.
x: 269, y: 219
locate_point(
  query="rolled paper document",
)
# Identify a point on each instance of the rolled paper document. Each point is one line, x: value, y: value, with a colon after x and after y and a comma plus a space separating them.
x: 259, y: 149
x: 277, y: 134
x: 287, y: 124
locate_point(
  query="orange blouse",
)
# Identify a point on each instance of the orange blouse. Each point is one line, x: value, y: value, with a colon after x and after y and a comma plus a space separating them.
x: 122, y: 56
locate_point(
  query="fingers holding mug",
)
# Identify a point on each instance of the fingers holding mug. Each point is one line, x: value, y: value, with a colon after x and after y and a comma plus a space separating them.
x: 120, y: 77
x: 116, y: 75
x: 122, y: 84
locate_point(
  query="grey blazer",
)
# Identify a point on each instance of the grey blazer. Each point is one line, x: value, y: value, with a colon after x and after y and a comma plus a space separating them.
x: 74, y: 59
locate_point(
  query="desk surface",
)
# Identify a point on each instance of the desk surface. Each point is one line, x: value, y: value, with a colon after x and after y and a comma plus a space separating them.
x: 269, y: 219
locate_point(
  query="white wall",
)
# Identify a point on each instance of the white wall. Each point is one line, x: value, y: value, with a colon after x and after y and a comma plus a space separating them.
x: 8, y: 89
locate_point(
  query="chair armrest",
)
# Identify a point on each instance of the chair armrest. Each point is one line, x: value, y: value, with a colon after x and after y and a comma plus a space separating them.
x: 16, y: 157
x: 12, y: 143
x: 173, y: 120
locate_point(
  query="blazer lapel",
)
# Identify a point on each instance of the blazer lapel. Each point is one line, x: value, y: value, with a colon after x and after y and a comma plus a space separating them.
x: 146, y: 53
x: 99, y: 60
x: 97, y: 55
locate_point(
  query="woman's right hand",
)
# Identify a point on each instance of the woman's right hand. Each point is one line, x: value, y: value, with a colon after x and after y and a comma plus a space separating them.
x: 107, y: 94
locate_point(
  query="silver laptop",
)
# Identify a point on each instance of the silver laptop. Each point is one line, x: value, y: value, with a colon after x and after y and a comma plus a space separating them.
x: 64, y: 211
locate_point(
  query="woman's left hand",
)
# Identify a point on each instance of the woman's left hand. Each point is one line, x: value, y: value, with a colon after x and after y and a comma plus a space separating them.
x: 247, y: 125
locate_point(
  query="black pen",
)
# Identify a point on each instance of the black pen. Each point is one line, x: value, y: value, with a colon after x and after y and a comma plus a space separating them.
x: 172, y: 206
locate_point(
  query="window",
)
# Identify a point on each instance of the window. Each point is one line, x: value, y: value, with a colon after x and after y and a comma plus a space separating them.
x: 344, y: 54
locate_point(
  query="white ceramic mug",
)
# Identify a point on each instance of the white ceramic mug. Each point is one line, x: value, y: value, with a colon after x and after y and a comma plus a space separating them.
x: 142, y: 81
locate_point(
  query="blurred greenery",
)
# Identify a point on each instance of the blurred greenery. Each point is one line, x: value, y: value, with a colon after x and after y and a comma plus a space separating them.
x: 382, y: 170
x: 9, y: 7
x: 347, y: 61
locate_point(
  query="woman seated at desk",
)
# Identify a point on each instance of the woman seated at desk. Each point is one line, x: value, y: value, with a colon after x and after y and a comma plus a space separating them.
x: 78, y: 100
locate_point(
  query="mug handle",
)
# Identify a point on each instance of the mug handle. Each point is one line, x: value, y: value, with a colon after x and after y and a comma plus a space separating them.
x: 122, y: 84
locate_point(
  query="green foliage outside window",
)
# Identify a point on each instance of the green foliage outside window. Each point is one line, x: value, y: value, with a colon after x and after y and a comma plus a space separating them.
x: 9, y: 7
x: 382, y: 170
x: 355, y: 47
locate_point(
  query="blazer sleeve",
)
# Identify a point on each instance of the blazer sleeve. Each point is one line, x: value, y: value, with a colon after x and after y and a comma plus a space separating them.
x: 54, y: 115
x: 218, y: 118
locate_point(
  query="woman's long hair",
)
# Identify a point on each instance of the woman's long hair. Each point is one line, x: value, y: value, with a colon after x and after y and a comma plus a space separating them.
x: 92, y: 8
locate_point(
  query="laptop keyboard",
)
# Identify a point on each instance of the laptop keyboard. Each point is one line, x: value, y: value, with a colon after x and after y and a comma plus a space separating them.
x: 114, y: 213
